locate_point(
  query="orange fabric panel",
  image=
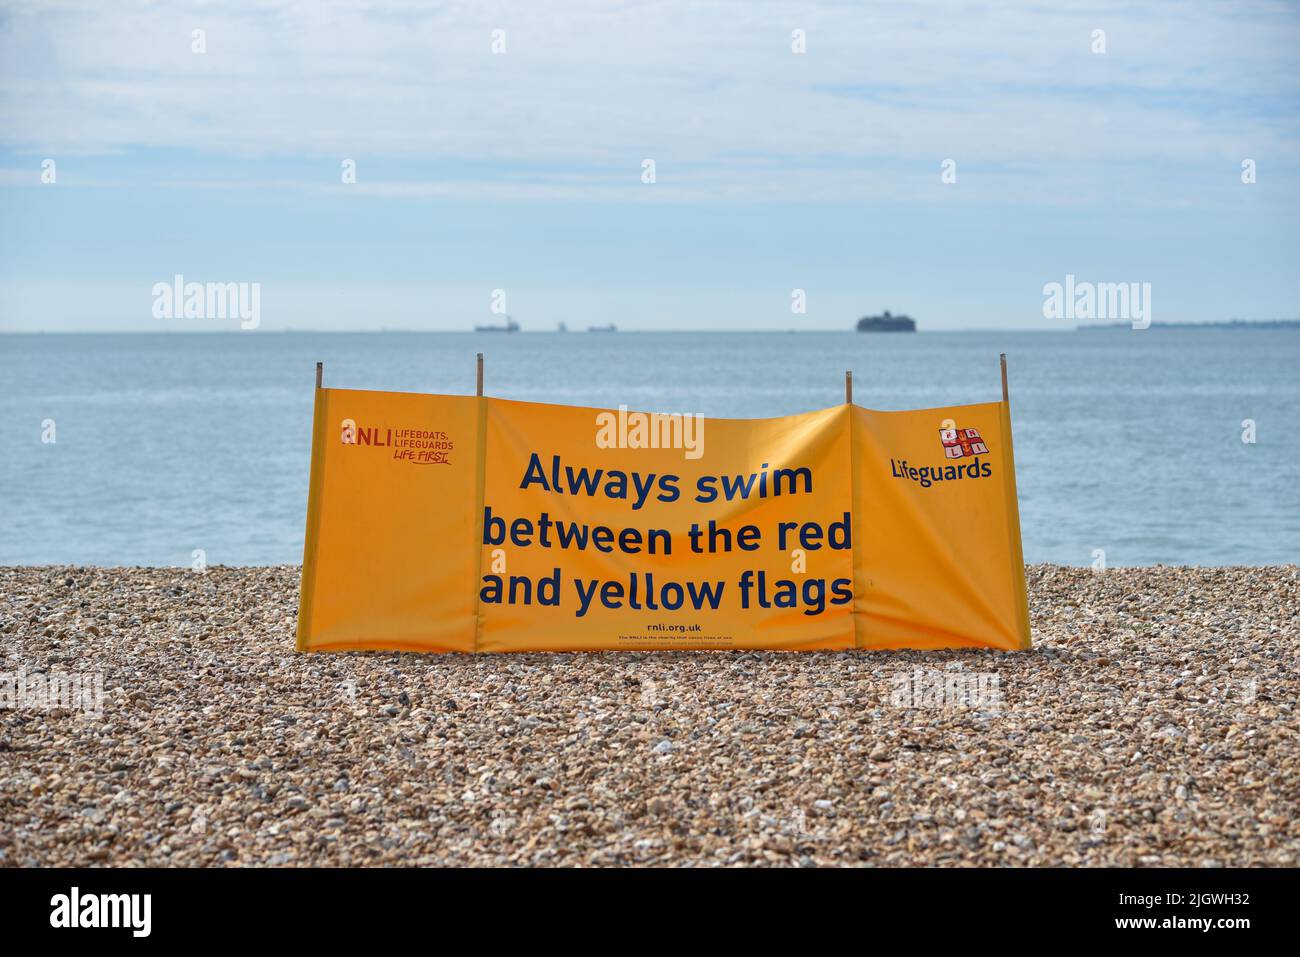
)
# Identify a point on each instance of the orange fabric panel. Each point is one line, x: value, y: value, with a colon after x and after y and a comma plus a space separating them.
x: 734, y: 451
x: 938, y: 562
x: 391, y: 556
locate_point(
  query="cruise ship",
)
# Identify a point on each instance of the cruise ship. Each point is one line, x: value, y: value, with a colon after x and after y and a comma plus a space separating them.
x: 886, y: 322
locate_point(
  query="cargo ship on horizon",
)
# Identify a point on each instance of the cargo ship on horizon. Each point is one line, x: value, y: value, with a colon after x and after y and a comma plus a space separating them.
x: 510, y: 326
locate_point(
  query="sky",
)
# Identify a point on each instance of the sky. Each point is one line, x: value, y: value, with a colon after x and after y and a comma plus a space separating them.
x: 946, y: 160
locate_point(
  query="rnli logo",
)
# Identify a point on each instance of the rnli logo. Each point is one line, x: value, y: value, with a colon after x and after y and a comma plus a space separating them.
x: 962, y: 449
x: 417, y: 446
x: 962, y: 443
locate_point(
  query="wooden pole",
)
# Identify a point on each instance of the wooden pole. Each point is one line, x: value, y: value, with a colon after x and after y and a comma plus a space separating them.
x: 1005, y: 396
x: 320, y: 373
x: 848, y: 387
x: 480, y: 374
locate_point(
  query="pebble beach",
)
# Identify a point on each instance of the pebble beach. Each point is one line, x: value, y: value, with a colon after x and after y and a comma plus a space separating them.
x: 1153, y: 724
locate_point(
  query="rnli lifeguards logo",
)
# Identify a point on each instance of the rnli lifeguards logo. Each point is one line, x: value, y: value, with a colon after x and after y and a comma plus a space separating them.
x: 966, y: 445
x: 962, y: 443
x: 417, y: 446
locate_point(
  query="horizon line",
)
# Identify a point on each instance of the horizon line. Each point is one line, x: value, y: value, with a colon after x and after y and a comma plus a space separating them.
x: 1209, y: 324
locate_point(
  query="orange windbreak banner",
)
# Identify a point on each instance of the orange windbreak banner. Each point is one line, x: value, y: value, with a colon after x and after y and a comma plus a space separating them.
x: 450, y: 523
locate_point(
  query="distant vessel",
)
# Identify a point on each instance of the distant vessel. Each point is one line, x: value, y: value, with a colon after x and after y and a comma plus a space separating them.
x: 886, y: 322
x: 510, y: 326
x: 1234, y: 324
x: 609, y: 328
x: 561, y: 327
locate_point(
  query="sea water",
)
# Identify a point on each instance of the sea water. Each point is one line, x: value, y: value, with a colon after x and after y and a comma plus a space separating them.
x: 137, y: 449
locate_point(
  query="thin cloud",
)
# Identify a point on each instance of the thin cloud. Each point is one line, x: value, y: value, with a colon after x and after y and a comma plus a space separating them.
x: 600, y: 88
